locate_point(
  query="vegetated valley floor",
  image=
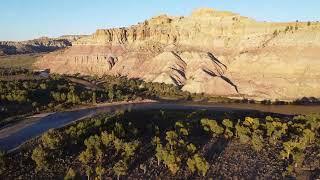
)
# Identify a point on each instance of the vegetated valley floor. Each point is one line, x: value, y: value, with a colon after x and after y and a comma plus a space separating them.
x: 179, y: 144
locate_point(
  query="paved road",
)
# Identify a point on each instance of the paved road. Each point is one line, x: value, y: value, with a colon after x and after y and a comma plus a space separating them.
x: 13, y: 136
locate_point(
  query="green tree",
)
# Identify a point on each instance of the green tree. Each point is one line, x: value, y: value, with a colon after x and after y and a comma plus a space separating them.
x: 89, y: 172
x: 228, y: 128
x: 130, y: 148
x: 243, y: 133
x: 172, y: 161
x: 199, y: 164
x: 160, y: 153
x: 120, y: 168
x: 107, y: 139
x: 100, y: 171
x: 172, y: 138
x: 118, y: 144
x: 212, y: 126
x: 257, y: 141
x: 191, y: 148
x: 254, y: 123
x: 52, y: 139
x: 40, y: 156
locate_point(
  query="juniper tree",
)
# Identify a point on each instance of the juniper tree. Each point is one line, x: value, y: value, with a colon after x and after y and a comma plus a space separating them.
x: 212, y: 126
x: 40, y: 157
x: 228, y: 128
x: 52, y: 139
x: 199, y: 164
x: 120, y: 168
x: 100, y: 171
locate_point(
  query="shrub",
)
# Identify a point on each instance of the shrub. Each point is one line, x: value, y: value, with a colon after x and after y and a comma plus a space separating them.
x: 228, y: 128
x: 118, y: 144
x: 181, y: 128
x: 120, y: 168
x: 172, y: 161
x: 52, y: 139
x: 100, y: 171
x: 106, y: 138
x: 257, y: 142
x: 94, y: 148
x: 130, y: 148
x: 39, y: 156
x: 191, y: 148
x: 160, y: 153
x: 199, y: 164
x: 254, y: 123
x: 172, y: 138
x: 243, y: 133
x: 86, y: 156
x: 212, y: 126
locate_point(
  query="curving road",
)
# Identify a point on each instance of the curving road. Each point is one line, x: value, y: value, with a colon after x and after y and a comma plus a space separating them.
x: 13, y: 136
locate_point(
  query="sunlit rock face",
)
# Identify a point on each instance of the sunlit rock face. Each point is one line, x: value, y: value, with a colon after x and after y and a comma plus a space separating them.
x: 214, y: 52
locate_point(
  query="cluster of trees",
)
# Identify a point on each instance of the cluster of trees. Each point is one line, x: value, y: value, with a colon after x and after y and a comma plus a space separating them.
x: 56, y: 92
x: 25, y: 96
x: 97, y: 146
x: 13, y: 71
x: 178, y: 151
x: 293, y: 136
x: 113, y: 144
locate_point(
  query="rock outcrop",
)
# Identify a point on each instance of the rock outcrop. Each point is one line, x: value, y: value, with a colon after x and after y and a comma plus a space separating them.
x: 43, y: 44
x: 214, y: 52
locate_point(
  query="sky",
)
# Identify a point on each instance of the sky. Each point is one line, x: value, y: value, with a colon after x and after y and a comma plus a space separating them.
x: 28, y: 19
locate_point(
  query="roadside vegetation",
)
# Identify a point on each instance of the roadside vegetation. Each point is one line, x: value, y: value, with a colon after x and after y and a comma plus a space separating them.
x: 172, y: 144
x: 25, y: 92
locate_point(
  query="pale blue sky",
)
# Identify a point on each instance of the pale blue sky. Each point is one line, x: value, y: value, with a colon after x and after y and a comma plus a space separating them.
x: 27, y: 19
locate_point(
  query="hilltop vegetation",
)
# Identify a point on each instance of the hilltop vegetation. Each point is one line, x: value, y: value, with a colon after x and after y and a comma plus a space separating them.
x: 172, y: 144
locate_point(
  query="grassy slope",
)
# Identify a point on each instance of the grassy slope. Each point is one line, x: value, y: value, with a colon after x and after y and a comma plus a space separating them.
x: 24, y: 60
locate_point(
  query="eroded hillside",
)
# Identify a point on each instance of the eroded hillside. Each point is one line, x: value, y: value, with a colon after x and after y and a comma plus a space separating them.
x: 214, y: 52
x: 40, y: 45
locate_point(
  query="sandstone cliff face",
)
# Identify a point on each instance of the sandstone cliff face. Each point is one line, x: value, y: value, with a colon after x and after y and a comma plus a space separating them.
x: 214, y: 52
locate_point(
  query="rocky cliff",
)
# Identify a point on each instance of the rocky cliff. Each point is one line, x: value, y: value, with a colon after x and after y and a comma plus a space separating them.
x: 43, y: 44
x: 214, y: 52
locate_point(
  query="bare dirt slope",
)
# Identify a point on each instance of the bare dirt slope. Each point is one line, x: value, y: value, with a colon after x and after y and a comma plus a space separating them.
x: 214, y: 52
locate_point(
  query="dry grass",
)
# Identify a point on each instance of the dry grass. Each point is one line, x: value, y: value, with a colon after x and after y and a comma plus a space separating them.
x: 15, y: 61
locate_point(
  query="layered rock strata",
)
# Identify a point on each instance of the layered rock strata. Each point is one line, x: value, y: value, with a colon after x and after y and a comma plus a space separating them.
x: 214, y: 52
